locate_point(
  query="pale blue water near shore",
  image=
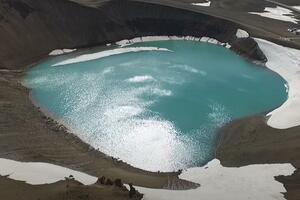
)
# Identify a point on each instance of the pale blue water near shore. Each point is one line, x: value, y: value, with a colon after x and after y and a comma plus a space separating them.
x: 156, y: 110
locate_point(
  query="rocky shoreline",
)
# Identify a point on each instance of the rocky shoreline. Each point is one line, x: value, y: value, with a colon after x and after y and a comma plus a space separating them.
x: 28, y: 135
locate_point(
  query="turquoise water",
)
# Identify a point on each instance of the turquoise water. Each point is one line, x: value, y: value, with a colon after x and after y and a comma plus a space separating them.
x: 157, y: 110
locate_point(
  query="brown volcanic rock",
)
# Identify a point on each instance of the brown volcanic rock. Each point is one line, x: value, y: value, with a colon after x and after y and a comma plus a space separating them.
x: 61, y: 190
x: 292, y: 185
x: 252, y: 141
x: 248, y: 48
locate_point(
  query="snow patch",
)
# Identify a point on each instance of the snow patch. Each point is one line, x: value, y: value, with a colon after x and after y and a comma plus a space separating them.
x: 217, y: 182
x: 222, y: 183
x: 278, y: 13
x: 205, y: 4
x: 297, y: 7
x: 286, y: 62
x: 61, y: 51
x: 102, y: 54
x: 37, y: 173
x: 127, y: 42
x: 242, y: 34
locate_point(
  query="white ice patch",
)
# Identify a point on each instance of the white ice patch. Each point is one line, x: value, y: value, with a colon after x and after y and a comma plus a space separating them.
x: 140, y: 79
x: 36, y: 173
x: 278, y: 13
x: 251, y: 182
x: 103, y: 54
x: 242, y: 34
x: 205, y: 4
x: 286, y: 62
x: 61, y: 51
x: 297, y: 7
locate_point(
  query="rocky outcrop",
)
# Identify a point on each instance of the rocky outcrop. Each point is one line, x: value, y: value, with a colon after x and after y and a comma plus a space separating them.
x: 132, y: 192
x: 30, y: 29
x: 248, y: 48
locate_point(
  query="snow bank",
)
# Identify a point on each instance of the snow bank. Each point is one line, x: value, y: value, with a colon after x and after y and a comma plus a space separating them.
x: 124, y: 43
x: 242, y: 34
x: 217, y: 182
x: 102, y: 54
x: 127, y: 42
x: 278, y: 13
x: 286, y: 62
x: 205, y: 4
x: 61, y: 51
x: 251, y: 182
x: 40, y: 173
x: 297, y: 7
